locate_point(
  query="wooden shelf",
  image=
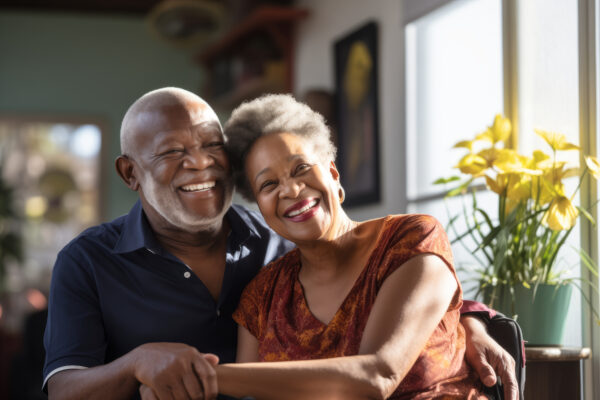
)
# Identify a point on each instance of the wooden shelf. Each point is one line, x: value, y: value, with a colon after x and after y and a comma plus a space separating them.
x: 248, y: 90
x: 534, y: 353
x: 554, y: 373
x: 268, y: 72
x: 261, y: 19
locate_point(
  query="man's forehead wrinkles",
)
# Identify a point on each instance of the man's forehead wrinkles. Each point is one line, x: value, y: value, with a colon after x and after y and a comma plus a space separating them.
x: 208, y: 126
x: 202, y: 131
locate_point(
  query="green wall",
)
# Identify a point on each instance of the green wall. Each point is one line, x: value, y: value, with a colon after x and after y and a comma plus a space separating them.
x: 74, y: 66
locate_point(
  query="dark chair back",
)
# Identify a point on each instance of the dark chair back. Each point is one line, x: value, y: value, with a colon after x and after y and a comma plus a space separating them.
x: 507, y: 333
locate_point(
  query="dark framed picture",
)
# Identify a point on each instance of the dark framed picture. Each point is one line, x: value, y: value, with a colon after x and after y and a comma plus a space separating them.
x: 356, y: 96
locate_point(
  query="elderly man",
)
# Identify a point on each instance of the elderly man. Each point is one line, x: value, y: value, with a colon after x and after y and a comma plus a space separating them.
x: 147, y: 298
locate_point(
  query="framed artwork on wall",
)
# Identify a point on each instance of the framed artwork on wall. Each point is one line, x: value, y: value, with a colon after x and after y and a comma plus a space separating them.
x: 356, y: 105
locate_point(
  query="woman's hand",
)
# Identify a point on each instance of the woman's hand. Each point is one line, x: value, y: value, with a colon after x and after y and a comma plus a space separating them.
x: 488, y: 358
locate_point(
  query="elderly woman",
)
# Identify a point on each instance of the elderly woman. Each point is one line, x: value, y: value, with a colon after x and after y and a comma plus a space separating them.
x: 371, y: 308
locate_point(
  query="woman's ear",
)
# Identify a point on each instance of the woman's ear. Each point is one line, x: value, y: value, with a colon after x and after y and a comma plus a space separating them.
x: 125, y: 170
x: 333, y: 171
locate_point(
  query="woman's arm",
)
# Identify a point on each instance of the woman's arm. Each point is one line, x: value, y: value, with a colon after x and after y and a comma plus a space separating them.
x: 409, y: 306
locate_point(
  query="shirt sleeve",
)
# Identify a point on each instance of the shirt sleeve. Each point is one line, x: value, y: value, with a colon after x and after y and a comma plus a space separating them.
x: 74, y: 336
x: 413, y: 235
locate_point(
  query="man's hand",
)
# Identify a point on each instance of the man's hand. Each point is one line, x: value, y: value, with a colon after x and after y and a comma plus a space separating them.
x: 488, y: 358
x: 175, y: 371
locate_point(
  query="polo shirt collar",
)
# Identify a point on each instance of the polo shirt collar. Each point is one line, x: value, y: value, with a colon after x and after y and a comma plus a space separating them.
x: 137, y: 234
x: 241, y: 224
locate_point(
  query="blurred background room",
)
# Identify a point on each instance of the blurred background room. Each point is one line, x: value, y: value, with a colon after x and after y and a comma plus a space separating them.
x: 399, y: 81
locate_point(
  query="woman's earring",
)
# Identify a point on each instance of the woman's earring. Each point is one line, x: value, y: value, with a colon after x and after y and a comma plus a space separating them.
x: 342, y: 194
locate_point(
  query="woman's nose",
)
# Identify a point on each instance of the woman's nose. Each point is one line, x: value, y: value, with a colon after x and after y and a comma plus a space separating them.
x: 290, y: 188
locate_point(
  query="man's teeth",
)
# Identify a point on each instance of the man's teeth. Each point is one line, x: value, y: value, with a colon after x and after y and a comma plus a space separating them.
x: 198, y: 186
x: 303, y: 209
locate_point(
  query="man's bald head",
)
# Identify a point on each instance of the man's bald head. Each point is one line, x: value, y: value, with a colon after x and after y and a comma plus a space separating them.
x: 147, y: 111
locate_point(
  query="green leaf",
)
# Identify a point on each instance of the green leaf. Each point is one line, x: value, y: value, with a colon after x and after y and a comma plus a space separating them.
x: 460, y: 189
x: 441, y: 181
x: 586, y: 214
x: 588, y: 262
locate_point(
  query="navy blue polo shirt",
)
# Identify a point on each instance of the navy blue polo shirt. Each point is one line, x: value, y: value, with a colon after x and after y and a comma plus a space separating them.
x: 114, y: 288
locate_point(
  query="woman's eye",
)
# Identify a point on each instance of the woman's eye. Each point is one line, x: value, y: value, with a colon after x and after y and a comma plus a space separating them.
x: 267, y: 185
x: 215, y: 144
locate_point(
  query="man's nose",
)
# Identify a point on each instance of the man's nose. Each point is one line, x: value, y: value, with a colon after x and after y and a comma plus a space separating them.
x: 198, y: 158
x: 290, y: 188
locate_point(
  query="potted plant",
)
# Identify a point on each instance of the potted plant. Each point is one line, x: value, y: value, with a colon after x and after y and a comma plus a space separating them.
x: 518, y: 248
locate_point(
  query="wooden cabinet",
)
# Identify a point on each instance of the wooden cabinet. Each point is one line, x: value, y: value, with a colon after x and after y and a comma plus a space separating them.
x: 554, y: 372
x: 253, y: 57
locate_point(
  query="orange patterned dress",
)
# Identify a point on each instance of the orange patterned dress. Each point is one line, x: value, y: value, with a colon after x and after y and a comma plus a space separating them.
x: 274, y: 310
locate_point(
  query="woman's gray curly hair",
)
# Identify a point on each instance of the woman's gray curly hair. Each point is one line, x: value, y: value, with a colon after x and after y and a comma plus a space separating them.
x: 273, y: 113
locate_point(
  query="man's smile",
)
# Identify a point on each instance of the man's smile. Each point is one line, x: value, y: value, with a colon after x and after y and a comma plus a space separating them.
x: 198, y: 187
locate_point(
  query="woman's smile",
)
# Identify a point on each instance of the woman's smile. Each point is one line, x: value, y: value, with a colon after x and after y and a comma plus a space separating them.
x: 302, y: 210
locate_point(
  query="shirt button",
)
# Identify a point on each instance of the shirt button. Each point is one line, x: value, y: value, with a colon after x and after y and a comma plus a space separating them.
x: 218, y: 312
x: 187, y: 274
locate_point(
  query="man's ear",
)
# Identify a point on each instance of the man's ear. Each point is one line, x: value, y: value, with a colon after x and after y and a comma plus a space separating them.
x: 124, y: 167
x: 333, y: 171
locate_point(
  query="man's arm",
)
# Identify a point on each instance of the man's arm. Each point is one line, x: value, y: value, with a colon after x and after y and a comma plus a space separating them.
x: 170, y: 370
x: 76, y: 343
x: 110, y: 381
x: 488, y: 358
x: 484, y: 354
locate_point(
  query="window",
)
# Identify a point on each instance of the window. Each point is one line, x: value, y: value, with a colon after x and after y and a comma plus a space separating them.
x: 454, y: 87
x: 547, y: 52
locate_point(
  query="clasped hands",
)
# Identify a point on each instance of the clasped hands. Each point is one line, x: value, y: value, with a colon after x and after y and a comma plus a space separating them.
x: 178, y: 371
x: 175, y: 371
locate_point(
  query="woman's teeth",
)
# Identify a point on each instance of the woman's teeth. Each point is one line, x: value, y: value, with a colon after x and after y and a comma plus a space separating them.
x: 198, y: 187
x: 303, y: 209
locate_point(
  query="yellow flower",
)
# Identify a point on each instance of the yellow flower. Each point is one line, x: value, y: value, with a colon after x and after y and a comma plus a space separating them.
x: 561, y: 215
x: 594, y: 166
x: 497, y: 185
x: 515, y: 187
x: 519, y: 187
x: 467, y: 144
x: 472, y: 164
x: 557, y: 141
x: 491, y: 155
x: 498, y: 132
x: 555, y: 172
x: 545, y: 188
x: 509, y: 161
x: 506, y: 160
x: 538, y: 157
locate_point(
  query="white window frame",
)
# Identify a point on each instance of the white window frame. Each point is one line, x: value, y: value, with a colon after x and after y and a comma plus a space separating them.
x: 588, y: 40
x: 588, y: 19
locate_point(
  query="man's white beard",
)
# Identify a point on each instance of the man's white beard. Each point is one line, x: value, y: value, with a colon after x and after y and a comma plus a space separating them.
x: 166, y: 203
